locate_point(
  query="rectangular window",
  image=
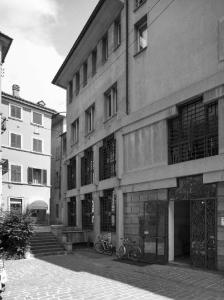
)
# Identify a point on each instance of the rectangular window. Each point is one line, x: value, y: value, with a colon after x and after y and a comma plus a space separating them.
x: 75, y: 131
x: 87, y: 212
x: 37, y: 118
x: 111, y: 102
x: 16, y: 140
x: 90, y: 112
x: 70, y: 91
x: 15, y: 112
x: 87, y: 167
x: 77, y: 83
x: 15, y: 173
x: 72, y: 174
x: 85, y: 73
x: 107, y: 158
x: 94, y: 62
x: 108, y: 211
x: 141, y: 34
x: 194, y: 133
x: 139, y: 3
x: 16, y: 205
x: 37, y: 145
x: 117, y: 32
x: 105, y: 48
x: 37, y: 176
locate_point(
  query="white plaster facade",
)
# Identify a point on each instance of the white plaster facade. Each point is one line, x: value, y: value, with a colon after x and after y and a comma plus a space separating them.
x: 23, y: 189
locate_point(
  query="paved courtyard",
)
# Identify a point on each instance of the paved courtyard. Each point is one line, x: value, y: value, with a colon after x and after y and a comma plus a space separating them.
x: 88, y: 275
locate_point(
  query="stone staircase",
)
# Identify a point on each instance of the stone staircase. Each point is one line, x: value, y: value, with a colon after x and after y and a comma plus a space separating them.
x: 45, y: 243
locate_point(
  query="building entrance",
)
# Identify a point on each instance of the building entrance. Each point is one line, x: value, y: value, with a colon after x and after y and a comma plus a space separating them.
x: 195, y: 228
x: 182, y: 230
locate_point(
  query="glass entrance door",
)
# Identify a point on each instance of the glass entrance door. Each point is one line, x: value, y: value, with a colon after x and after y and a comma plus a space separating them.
x: 155, y: 231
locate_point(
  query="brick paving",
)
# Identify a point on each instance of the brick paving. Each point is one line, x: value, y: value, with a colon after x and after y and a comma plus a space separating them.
x: 88, y: 275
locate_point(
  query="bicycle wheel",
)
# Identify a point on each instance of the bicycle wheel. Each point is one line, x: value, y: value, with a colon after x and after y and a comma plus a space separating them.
x: 135, y: 254
x: 99, y: 247
x: 121, y: 252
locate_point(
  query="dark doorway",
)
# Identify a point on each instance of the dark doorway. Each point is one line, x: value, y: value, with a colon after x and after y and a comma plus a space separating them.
x: 72, y: 212
x: 182, y: 231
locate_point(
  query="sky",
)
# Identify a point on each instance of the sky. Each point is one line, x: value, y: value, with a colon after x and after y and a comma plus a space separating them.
x: 43, y: 32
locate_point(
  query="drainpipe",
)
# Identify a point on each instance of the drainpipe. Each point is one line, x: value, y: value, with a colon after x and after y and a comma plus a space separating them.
x: 127, y: 58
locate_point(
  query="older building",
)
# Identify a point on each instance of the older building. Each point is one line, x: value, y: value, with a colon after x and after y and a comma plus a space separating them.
x: 26, y: 146
x: 145, y: 103
x: 5, y: 43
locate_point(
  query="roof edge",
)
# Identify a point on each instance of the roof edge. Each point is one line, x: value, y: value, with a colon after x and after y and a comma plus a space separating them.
x: 78, y: 40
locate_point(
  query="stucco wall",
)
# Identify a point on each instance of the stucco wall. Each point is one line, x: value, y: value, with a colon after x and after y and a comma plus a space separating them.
x: 182, y: 48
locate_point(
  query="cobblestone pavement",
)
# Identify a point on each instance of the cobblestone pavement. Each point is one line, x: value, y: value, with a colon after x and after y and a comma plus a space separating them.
x: 88, y: 275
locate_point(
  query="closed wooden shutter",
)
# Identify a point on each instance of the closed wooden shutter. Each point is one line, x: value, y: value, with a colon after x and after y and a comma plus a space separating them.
x: 30, y: 175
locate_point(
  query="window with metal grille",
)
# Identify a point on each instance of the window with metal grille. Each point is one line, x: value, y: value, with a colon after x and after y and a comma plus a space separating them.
x: 108, y: 211
x: 107, y: 158
x: 87, y: 212
x: 87, y: 167
x: 194, y: 133
x: 72, y: 174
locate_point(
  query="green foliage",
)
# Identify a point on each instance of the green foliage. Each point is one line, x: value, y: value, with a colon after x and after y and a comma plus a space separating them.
x: 15, y: 232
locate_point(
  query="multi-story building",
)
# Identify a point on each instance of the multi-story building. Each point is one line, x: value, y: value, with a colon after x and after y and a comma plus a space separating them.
x: 5, y: 43
x: 145, y: 117
x: 58, y: 182
x: 26, y: 146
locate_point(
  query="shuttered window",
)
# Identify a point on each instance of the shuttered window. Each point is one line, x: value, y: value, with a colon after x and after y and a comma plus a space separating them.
x: 16, y: 140
x: 37, y: 118
x: 15, y: 112
x: 37, y: 176
x: 15, y: 173
x: 37, y: 145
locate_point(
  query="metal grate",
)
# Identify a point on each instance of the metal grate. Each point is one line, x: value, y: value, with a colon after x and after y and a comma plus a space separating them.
x: 107, y: 158
x: 87, y: 167
x: 72, y: 174
x: 108, y: 211
x: 87, y: 212
x: 194, y: 133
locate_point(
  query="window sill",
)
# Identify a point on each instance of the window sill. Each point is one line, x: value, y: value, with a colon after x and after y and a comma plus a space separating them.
x: 15, y: 119
x: 89, y: 133
x: 139, y: 52
x: 110, y: 119
x: 137, y: 7
x: 35, y: 124
x: 116, y: 47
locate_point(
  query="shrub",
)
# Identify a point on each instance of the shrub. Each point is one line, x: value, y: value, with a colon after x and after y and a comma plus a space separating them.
x: 15, y: 232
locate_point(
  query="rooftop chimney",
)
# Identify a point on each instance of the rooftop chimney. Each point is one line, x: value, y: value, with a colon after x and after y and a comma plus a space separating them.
x: 15, y: 90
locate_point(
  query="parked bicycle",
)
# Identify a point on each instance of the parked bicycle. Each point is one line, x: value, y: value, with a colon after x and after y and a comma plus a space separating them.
x: 103, y: 245
x: 129, y: 250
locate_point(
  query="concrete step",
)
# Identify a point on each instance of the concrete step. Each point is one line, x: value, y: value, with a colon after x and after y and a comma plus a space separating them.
x: 45, y: 243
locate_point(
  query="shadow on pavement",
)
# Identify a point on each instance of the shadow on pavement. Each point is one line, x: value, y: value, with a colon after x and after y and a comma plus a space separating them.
x: 171, y: 282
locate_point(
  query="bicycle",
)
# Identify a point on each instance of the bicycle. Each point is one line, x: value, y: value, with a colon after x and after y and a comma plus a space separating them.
x: 103, y: 245
x: 129, y: 250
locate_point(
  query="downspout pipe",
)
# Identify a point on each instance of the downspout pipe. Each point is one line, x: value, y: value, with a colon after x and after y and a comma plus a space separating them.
x: 127, y: 57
